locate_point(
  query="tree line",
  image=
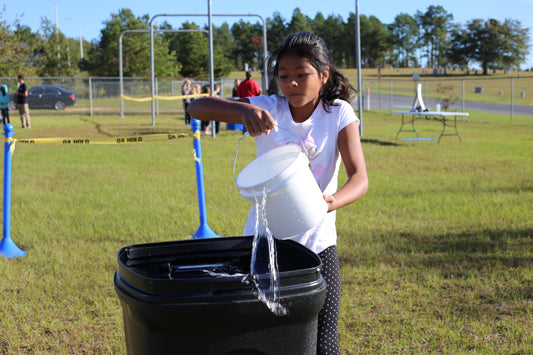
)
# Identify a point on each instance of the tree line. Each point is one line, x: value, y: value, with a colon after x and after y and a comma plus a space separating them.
x: 427, y: 38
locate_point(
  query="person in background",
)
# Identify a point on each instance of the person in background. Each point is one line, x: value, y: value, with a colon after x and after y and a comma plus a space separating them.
x: 216, y: 93
x: 235, y: 91
x: 248, y: 87
x: 186, y: 90
x: 204, y: 124
x: 22, y: 103
x: 4, y: 104
x: 196, y: 90
x: 315, y: 107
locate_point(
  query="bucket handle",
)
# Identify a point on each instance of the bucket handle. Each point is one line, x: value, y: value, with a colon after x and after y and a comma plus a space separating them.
x: 286, y: 130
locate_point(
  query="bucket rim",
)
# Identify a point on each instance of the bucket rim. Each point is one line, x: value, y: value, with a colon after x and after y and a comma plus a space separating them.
x: 298, y: 154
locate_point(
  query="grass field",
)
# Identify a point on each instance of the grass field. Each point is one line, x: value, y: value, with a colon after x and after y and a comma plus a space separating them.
x: 436, y: 258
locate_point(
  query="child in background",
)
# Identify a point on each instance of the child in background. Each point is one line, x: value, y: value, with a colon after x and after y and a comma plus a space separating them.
x: 4, y: 104
x: 315, y: 108
x: 234, y: 92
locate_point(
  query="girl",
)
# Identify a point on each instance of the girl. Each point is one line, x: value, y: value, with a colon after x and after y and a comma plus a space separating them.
x: 234, y: 92
x: 314, y: 108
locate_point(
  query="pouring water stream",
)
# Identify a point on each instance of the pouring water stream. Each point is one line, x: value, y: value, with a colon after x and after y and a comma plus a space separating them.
x: 263, y: 265
x: 264, y: 262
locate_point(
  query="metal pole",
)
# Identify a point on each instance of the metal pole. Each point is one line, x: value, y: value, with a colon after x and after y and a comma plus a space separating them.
x: 512, y: 99
x: 265, y: 56
x: 8, y: 248
x: 358, y: 59
x: 156, y: 95
x: 120, y: 71
x: 463, y: 96
x: 121, y: 74
x: 81, y: 44
x: 426, y: 91
x: 152, y: 69
x: 203, y: 231
x: 211, y: 70
x: 390, y: 93
x: 57, y: 39
x: 190, y: 15
x: 91, y: 95
x: 379, y: 90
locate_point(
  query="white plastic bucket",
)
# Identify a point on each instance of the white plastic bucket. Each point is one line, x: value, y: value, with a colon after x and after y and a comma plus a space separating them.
x: 294, y: 202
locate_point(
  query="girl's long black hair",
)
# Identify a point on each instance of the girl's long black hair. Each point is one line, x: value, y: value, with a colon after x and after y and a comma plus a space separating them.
x: 312, y: 47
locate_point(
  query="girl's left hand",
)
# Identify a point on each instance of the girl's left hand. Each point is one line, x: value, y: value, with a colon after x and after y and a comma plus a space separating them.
x: 329, y: 200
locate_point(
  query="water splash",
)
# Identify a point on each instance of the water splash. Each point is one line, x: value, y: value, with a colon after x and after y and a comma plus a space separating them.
x: 264, y: 263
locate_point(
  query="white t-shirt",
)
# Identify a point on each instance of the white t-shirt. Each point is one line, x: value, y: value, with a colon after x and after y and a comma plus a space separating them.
x: 319, y: 134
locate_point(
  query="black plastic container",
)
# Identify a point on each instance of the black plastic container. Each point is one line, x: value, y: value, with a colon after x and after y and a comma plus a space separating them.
x: 173, y: 302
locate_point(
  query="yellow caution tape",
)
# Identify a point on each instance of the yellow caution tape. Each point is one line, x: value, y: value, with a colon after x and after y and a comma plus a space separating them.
x: 196, y: 159
x: 12, y: 145
x: 145, y: 99
x: 106, y: 140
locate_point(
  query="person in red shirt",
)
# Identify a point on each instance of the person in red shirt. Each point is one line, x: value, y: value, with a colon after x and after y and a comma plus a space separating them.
x: 249, y: 87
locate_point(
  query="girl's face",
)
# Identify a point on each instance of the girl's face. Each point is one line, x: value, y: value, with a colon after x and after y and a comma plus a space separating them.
x: 300, y: 83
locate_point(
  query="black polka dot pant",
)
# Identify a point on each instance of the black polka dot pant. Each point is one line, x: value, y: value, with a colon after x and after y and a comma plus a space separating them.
x: 328, y: 318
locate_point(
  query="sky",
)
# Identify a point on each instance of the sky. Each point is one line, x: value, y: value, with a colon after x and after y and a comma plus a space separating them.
x: 88, y: 17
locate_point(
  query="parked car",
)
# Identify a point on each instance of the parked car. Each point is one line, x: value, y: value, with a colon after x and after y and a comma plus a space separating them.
x: 47, y: 96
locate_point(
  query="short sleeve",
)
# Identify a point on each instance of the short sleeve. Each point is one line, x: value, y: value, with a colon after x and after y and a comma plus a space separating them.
x: 346, y: 114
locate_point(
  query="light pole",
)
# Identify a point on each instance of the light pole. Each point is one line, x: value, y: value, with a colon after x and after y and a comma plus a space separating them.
x: 57, y: 39
x: 81, y: 40
x: 81, y: 44
x: 152, y: 71
x: 358, y: 59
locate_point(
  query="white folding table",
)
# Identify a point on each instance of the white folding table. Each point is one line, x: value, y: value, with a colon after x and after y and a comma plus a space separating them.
x: 409, y: 118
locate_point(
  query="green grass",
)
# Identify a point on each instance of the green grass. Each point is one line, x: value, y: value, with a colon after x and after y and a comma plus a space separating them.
x: 436, y: 258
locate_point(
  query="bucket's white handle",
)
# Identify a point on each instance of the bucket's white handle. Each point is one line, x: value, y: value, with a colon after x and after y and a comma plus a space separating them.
x: 235, y: 159
x: 239, y: 146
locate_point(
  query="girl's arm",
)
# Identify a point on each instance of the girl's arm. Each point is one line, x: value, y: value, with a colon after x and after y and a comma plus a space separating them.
x: 354, y: 161
x: 255, y: 119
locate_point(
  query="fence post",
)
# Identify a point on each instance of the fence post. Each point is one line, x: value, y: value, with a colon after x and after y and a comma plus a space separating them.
x: 379, y: 90
x: 463, y: 96
x: 390, y: 92
x: 91, y: 95
x: 156, y: 94
x: 7, y: 247
x: 512, y: 99
x: 426, y: 91
x: 368, y: 98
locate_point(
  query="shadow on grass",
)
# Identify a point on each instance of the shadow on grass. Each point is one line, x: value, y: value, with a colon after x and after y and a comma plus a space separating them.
x: 378, y: 142
x: 455, y: 255
x: 122, y: 128
x: 479, y: 275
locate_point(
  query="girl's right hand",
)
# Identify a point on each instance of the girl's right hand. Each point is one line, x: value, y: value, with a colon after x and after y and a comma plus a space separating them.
x: 258, y: 121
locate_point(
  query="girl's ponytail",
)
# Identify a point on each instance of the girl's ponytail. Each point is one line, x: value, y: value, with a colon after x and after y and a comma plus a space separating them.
x: 337, y: 87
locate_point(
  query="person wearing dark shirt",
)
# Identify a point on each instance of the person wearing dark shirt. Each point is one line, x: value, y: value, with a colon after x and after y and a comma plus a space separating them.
x: 22, y: 103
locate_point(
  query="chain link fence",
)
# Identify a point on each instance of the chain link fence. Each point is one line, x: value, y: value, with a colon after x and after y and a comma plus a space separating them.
x: 101, y: 95
x: 513, y: 96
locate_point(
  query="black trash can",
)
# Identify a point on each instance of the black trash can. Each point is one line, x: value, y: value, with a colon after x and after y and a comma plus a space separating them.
x: 174, y: 300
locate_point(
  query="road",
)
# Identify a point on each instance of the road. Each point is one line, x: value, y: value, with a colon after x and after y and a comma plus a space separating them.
x: 403, y: 103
